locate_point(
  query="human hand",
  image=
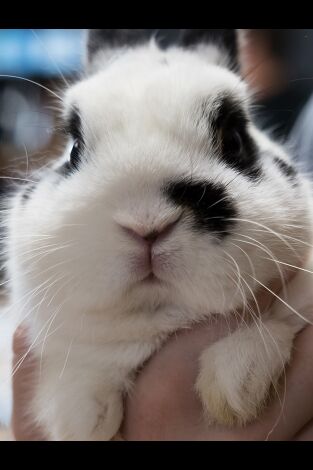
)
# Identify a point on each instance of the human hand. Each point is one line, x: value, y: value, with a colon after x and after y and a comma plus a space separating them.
x: 163, y: 404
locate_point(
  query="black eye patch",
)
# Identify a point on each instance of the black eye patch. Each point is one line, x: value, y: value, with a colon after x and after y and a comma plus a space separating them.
x: 73, y: 126
x: 210, y: 204
x: 231, y: 138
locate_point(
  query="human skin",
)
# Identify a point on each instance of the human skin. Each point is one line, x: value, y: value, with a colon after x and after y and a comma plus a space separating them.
x: 163, y: 404
x: 165, y: 407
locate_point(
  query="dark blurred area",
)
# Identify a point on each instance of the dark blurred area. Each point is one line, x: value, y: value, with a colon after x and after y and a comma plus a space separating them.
x: 276, y: 62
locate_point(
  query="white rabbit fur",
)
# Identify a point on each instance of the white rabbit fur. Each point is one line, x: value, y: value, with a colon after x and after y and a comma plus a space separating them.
x: 77, y: 278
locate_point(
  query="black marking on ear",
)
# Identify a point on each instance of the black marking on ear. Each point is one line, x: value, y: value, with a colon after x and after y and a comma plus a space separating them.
x: 287, y: 169
x: 227, y: 39
x: 210, y: 204
x: 99, y: 39
x: 231, y: 138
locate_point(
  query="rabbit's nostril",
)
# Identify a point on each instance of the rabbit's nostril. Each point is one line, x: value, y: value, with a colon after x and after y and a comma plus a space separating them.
x: 141, y: 234
x: 151, y: 236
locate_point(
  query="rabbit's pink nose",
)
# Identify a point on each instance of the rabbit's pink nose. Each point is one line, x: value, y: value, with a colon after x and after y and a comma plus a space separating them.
x: 149, y: 237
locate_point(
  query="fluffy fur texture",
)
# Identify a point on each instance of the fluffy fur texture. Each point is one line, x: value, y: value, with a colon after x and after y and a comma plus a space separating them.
x: 164, y: 209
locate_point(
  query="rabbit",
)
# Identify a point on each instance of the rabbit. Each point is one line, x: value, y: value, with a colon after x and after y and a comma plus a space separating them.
x: 167, y: 206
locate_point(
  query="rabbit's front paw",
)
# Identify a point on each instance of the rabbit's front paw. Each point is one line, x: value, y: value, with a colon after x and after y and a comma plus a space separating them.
x: 238, y: 373
x: 108, y: 419
x: 94, y: 420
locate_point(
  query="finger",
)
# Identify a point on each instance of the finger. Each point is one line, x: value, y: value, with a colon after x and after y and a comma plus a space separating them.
x: 24, y: 368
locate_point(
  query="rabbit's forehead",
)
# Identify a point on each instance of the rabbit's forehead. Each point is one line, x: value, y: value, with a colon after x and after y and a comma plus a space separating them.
x: 169, y: 94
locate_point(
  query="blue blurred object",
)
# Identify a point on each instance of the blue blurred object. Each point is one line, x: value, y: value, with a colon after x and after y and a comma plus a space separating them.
x: 41, y: 52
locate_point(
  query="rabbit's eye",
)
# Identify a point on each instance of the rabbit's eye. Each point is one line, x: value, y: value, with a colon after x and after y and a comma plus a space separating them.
x: 239, y: 151
x: 75, y: 153
x: 73, y: 129
x: 233, y: 144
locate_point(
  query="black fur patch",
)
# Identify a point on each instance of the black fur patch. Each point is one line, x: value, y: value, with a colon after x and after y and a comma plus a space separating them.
x: 225, y: 38
x: 233, y: 142
x: 112, y: 38
x: 209, y: 202
x: 286, y: 168
x: 73, y: 125
x: 115, y: 38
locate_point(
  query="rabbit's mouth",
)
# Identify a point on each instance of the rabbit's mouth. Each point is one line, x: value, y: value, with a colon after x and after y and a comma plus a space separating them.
x: 151, y: 279
x: 154, y: 266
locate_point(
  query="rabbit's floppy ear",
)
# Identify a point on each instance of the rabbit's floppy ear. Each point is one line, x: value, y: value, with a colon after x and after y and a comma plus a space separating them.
x: 227, y: 40
x: 107, y: 41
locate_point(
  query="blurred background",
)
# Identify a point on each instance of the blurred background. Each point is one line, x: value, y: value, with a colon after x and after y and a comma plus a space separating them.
x: 276, y: 62
x: 51, y: 58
